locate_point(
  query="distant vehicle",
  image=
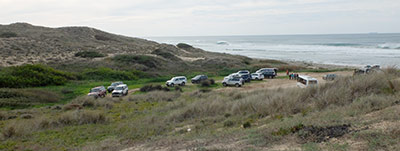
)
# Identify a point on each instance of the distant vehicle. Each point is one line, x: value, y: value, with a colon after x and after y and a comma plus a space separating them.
x: 233, y: 81
x: 329, y: 77
x: 180, y: 80
x: 306, y: 81
x: 245, y: 74
x: 257, y: 76
x: 99, y: 91
x: 120, y: 90
x: 367, y: 69
x: 268, y: 72
x: 199, y: 79
x: 113, y: 85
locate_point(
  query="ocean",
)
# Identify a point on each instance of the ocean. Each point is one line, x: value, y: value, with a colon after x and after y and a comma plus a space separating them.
x: 340, y: 49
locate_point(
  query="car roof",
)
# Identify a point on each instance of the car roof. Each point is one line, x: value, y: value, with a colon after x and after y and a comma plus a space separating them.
x: 307, y: 77
x: 121, y: 85
x: 179, y: 77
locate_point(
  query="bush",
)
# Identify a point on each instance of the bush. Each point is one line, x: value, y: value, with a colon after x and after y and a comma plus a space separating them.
x: 89, y: 54
x: 228, y: 123
x: 184, y: 46
x: 155, y: 96
x: 102, y: 38
x: 148, y: 61
x: 148, y: 88
x: 32, y: 76
x: 8, y: 35
x: 81, y: 117
x: 19, y: 98
x: 208, y: 83
x: 165, y: 54
x: 108, y: 74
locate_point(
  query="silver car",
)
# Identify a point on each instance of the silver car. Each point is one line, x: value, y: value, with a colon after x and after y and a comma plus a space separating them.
x: 233, y: 81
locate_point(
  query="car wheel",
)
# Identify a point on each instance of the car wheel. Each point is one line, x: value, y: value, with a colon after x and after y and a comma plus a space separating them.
x: 224, y: 84
x: 172, y: 85
x: 256, y: 78
x: 183, y: 84
x: 237, y: 85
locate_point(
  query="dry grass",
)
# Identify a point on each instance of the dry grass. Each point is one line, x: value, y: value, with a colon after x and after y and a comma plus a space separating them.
x: 156, y: 96
x: 80, y: 117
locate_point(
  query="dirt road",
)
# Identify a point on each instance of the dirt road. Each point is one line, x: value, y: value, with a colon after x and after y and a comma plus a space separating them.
x: 284, y: 83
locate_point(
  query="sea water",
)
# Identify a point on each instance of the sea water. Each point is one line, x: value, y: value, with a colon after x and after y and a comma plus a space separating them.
x: 339, y: 49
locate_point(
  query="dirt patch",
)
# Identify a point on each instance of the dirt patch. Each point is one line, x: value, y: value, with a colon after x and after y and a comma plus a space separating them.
x: 322, y: 134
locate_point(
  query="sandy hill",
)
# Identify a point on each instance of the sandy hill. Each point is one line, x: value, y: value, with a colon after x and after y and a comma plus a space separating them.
x: 23, y: 43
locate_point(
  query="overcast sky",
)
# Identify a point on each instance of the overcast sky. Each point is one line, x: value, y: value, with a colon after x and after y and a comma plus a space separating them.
x: 209, y: 17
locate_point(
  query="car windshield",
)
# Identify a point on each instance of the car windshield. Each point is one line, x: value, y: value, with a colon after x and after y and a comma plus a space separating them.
x: 114, y: 84
x: 197, y: 77
x: 119, y: 88
x: 254, y: 74
x: 95, y: 90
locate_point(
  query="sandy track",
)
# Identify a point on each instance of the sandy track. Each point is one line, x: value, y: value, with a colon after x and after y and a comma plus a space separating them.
x: 284, y: 83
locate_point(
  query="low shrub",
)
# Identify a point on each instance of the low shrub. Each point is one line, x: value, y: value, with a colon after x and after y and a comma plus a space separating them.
x: 89, y: 54
x: 108, y: 74
x: 19, y: 98
x: 229, y: 123
x: 207, y: 83
x: 81, y: 117
x: 184, y: 46
x: 165, y: 54
x: 32, y: 76
x: 148, y: 88
x: 156, y: 96
x: 148, y: 61
x: 102, y: 38
x: 8, y: 35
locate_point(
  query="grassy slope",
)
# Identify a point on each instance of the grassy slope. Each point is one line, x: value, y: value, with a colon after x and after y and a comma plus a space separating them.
x: 216, y: 119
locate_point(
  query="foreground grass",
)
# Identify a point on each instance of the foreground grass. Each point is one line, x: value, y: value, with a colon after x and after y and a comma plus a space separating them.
x: 254, y: 120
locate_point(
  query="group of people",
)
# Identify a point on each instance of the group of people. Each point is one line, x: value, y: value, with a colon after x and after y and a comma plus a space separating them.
x: 292, y: 76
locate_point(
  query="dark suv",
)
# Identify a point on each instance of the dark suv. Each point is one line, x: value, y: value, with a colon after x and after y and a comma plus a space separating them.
x: 199, y: 78
x: 245, y: 74
x: 268, y: 72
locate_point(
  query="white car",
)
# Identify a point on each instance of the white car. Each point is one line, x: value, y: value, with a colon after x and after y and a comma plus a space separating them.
x: 233, y: 81
x: 180, y: 80
x: 120, y: 90
x: 257, y: 76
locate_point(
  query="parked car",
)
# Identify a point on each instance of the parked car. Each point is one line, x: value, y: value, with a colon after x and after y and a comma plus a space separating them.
x: 329, y: 77
x: 245, y: 74
x: 257, y: 76
x: 199, y: 79
x: 99, y: 91
x: 306, y: 81
x: 268, y: 72
x: 180, y: 80
x: 113, y: 85
x: 120, y: 90
x: 233, y: 81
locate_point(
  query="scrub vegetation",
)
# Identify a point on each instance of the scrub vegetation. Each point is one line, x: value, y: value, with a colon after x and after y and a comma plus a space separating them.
x: 349, y: 109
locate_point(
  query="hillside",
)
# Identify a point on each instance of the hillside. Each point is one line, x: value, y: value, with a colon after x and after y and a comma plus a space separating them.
x: 22, y: 43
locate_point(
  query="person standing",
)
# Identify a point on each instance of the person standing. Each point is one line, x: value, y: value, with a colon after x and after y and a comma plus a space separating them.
x: 287, y: 71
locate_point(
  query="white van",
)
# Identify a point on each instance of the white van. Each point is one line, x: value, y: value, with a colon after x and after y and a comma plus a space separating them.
x: 306, y: 81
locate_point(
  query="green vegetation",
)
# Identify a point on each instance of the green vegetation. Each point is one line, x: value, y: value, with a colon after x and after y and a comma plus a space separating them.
x: 8, y: 35
x: 22, y: 98
x: 109, y: 74
x: 258, y: 119
x: 184, y: 46
x: 148, y: 61
x: 89, y: 54
x: 32, y: 76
